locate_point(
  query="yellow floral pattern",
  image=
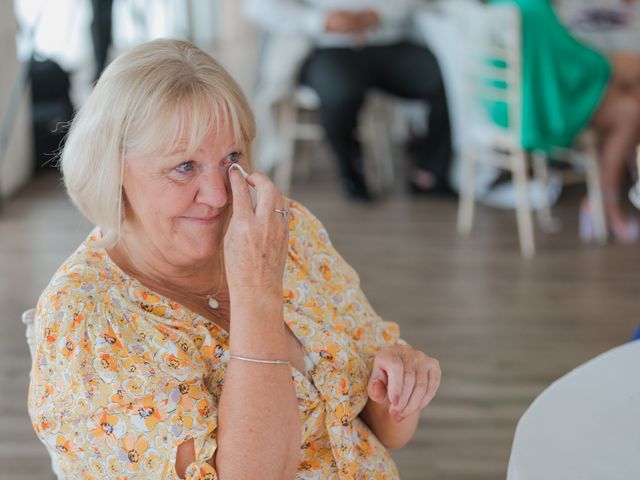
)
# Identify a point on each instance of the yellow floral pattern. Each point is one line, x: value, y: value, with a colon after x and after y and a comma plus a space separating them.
x: 122, y: 375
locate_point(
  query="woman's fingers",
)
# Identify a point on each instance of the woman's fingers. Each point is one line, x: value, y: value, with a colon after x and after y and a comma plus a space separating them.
x: 420, y: 388
x: 408, y: 383
x: 264, y: 199
x: 256, y: 239
x: 411, y: 379
x: 377, y: 384
x: 435, y: 374
x: 424, y: 388
x: 268, y: 196
x: 377, y: 390
x: 393, y: 366
x: 239, y: 192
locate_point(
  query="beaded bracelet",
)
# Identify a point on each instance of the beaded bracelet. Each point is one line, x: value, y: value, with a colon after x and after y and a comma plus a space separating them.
x: 257, y: 360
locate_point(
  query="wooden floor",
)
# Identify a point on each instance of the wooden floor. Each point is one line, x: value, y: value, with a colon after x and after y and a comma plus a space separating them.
x: 503, y: 327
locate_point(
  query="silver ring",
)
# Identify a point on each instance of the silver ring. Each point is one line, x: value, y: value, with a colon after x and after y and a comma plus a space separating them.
x: 282, y: 212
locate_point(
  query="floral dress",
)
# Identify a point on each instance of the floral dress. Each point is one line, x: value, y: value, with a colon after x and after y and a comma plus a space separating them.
x: 123, y: 375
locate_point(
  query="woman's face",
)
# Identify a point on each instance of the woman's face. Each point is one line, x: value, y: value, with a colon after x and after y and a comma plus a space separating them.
x: 178, y: 206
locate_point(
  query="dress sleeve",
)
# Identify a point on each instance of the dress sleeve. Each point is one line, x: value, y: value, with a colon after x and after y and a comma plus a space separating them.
x: 101, y: 399
x: 349, y: 307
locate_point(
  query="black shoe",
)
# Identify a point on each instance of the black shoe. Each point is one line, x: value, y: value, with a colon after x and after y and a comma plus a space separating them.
x: 357, y: 190
x: 440, y: 189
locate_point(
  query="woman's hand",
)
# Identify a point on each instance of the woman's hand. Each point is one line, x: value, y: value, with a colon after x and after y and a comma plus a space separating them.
x: 403, y: 381
x: 255, y: 244
x: 258, y: 410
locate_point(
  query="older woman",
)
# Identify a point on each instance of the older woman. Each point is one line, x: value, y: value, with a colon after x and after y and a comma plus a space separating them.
x: 193, y: 335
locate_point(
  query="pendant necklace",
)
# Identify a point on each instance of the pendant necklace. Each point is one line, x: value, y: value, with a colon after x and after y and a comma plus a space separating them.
x: 212, y: 301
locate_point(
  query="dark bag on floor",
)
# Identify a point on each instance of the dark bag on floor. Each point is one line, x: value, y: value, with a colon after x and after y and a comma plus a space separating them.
x: 52, y: 109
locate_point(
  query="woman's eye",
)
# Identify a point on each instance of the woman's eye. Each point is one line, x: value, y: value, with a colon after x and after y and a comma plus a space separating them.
x: 184, y: 167
x: 234, y: 157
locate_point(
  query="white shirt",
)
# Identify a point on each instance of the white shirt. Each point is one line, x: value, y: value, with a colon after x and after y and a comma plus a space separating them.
x: 308, y: 17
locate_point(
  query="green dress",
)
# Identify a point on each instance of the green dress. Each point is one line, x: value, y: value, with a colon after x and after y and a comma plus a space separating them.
x: 564, y: 80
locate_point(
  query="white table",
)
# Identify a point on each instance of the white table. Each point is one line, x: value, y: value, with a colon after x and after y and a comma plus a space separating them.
x: 585, y: 426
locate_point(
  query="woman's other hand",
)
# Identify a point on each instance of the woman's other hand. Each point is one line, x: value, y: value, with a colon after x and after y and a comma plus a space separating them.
x: 255, y: 243
x: 403, y: 381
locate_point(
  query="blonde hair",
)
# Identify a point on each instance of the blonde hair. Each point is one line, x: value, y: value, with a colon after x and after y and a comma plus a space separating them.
x: 146, y: 101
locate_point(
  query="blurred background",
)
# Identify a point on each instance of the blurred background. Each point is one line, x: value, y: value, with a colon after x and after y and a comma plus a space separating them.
x: 508, y: 307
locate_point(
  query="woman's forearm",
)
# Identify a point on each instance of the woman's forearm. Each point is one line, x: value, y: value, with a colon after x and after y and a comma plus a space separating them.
x: 258, y: 416
x: 391, y: 434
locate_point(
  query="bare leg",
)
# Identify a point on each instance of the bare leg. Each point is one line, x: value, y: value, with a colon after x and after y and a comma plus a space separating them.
x: 618, y: 122
x: 626, y: 73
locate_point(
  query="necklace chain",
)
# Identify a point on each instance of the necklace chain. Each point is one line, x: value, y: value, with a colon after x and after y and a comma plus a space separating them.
x: 212, y: 301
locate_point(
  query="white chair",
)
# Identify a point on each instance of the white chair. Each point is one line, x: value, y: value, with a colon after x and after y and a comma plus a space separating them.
x: 29, y: 320
x: 492, y: 64
x: 375, y: 133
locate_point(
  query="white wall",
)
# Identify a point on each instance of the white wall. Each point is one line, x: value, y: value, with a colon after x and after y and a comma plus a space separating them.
x: 16, y: 160
x: 237, y: 46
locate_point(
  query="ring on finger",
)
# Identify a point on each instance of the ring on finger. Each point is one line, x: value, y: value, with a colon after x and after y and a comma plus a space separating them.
x: 282, y: 212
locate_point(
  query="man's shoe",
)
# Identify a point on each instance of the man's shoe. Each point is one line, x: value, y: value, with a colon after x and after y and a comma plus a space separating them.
x: 357, y: 191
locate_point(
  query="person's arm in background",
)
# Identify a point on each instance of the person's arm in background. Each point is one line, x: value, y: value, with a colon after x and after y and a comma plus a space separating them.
x: 392, y: 13
x: 294, y: 16
x: 286, y: 16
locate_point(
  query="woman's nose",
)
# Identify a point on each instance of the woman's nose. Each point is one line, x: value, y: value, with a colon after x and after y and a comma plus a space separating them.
x: 212, y: 188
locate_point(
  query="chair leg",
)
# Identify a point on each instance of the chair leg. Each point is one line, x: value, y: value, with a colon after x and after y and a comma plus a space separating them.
x: 523, y: 211
x: 466, y: 203
x: 368, y: 135
x: 385, y: 125
x: 376, y: 131
x: 594, y: 191
x: 287, y: 118
x: 306, y: 159
x: 545, y: 218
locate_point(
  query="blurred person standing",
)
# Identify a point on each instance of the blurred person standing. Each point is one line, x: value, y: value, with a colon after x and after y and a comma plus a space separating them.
x: 343, y: 49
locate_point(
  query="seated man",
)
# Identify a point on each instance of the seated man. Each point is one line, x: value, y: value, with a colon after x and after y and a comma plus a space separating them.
x: 355, y: 46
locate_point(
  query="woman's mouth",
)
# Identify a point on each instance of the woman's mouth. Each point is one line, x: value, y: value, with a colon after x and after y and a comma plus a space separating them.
x: 205, y: 219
